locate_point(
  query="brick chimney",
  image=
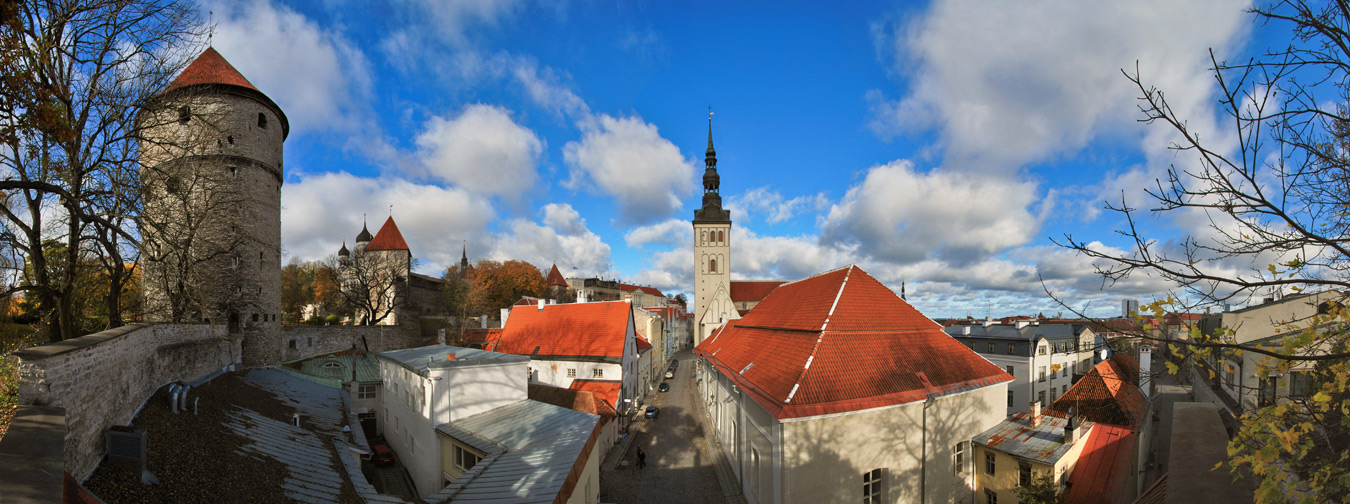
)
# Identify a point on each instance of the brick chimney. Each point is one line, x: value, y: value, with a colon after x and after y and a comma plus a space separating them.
x: 1036, y: 414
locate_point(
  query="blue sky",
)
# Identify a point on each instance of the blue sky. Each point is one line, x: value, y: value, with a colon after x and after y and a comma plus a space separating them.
x: 937, y: 144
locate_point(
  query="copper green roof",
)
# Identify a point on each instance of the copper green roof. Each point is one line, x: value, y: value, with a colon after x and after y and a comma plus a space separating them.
x: 334, y: 369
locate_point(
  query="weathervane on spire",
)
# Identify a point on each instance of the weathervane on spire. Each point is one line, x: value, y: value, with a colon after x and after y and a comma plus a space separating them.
x: 211, y: 32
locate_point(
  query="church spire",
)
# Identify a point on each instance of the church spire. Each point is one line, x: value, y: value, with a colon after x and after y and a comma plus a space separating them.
x: 710, y: 157
x: 712, y: 210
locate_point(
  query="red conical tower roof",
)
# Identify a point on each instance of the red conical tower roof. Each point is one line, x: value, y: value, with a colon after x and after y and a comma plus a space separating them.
x: 555, y: 277
x: 389, y: 238
x: 210, y: 68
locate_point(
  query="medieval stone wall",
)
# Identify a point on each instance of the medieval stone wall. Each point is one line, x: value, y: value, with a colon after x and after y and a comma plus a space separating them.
x: 305, y: 341
x: 103, y: 379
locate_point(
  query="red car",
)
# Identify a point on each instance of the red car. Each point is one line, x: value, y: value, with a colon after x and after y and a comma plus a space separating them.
x: 383, y: 456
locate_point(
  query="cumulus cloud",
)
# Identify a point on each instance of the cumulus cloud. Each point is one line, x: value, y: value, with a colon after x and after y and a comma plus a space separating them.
x: 900, y: 215
x: 318, y: 211
x: 316, y: 75
x: 482, y: 150
x: 545, y: 88
x: 626, y: 158
x: 560, y: 238
x: 670, y: 232
x: 770, y: 204
x: 1011, y: 83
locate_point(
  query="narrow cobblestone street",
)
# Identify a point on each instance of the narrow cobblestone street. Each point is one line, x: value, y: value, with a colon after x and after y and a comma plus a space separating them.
x: 680, y: 464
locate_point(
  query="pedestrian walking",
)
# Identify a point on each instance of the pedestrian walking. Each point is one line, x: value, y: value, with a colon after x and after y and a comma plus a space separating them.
x: 642, y: 459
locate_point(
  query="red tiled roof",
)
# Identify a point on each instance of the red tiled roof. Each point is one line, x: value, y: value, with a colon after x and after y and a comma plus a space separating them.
x: 649, y: 290
x: 1104, y: 395
x: 389, y: 238
x: 752, y: 291
x: 210, y: 68
x: 1103, y: 466
x: 555, y: 277
x: 642, y: 343
x: 579, y: 400
x: 606, y: 390
x: 528, y: 301
x: 866, y: 348
x: 578, y: 330
x: 487, y: 337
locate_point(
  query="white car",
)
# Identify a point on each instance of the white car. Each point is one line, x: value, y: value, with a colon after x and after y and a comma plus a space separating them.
x: 670, y: 374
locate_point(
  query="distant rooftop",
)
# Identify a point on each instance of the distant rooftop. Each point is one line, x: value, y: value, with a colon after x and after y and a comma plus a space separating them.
x: 336, y: 368
x: 530, y: 446
x: 420, y: 359
x: 1015, y: 436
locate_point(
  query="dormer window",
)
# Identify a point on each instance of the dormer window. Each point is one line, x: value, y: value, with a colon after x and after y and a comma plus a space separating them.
x: 262, y: 120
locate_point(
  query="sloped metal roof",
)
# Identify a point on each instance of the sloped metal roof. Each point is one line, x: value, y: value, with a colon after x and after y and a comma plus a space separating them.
x: 530, y: 448
x: 334, y: 369
x: 420, y: 359
x: 1017, y: 437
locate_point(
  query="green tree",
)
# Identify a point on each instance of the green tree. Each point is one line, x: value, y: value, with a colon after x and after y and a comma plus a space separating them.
x: 1279, y: 207
x: 1042, y: 490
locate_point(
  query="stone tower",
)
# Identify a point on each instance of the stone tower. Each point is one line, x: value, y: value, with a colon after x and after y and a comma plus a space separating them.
x: 211, y: 174
x: 712, y: 252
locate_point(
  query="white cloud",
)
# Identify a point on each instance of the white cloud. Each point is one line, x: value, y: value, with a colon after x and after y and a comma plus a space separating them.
x: 899, y: 215
x: 627, y: 158
x: 319, y: 210
x: 482, y: 150
x: 561, y: 239
x: 670, y: 232
x: 544, y: 87
x: 770, y: 204
x: 452, y: 19
x: 317, y: 76
x: 1010, y: 83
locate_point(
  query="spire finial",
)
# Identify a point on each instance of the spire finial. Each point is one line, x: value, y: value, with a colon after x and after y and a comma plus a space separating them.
x: 211, y: 32
x: 712, y: 154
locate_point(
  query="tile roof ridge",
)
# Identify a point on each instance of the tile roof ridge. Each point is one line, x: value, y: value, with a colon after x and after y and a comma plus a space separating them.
x: 823, y: 273
x: 819, y: 338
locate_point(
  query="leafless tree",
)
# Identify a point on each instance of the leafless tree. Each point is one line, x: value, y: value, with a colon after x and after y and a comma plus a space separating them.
x: 75, y: 72
x: 374, y: 284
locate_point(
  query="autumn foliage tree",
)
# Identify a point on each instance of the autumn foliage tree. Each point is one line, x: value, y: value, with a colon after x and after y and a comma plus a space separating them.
x: 490, y: 286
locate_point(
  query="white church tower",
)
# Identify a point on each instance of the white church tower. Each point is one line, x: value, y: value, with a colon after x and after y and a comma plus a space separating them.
x: 712, y: 254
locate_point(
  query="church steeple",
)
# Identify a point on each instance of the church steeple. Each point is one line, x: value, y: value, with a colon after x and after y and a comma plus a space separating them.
x: 712, y: 210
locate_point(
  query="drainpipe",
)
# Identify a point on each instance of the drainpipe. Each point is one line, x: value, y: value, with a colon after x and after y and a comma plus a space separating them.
x: 923, y: 457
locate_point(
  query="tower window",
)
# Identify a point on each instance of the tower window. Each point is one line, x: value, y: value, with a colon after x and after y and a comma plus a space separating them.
x: 234, y: 170
x: 712, y: 265
x: 230, y: 139
x: 184, y: 114
x: 262, y: 120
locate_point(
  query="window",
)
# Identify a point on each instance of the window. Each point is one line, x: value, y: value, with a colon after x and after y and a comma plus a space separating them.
x: 597, y: 373
x: 1063, y: 371
x: 292, y: 344
x: 872, y: 487
x: 234, y: 263
x: 255, y: 317
x: 990, y: 497
x: 712, y: 265
x: 1267, y: 392
x: 234, y: 171
x: 1230, y: 373
x: 959, y: 454
x: 754, y: 471
x: 989, y: 463
x: 1023, y: 474
x: 1040, y: 396
x: 1010, y: 371
x: 1041, y: 372
x: 262, y: 120
x: 1010, y: 399
x: 1010, y: 348
x: 184, y: 114
x: 571, y: 372
x: 989, y: 348
x: 1040, y: 350
x: 311, y: 339
x: 1299, y: 384
x: 1063, y: 389
x: 366, y: 391
x: 465, y: 459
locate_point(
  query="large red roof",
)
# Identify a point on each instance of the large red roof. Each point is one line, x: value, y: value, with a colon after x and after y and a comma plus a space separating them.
x: 555, y: 277
x: 579, y: 400
x: 752, y: 290
x: 1103, y: 467
x: 1106, y: 394
x: 389, y: 238
x: 210, y: 68
x: 841, y: 341
x: 569, y: 330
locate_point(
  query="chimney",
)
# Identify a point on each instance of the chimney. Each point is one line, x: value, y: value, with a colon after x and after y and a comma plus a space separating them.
x: 628, y: 298
x: 1021, y: 323
x: 440, y: 335
x: 965, y: 329
x: 988, y: 321
x: 1036, y: 414
x: 1071, y: 430
x: 482, y: 322
x: 506, y: 312
x: 581, y: 295
x: 1145, y: 369
x: 552, y: 301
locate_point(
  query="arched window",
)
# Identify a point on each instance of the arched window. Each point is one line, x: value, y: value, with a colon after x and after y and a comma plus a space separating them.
x: 704, y: 236
x: 712, y: 265
x: 262, y: 120
x: 721, y: 237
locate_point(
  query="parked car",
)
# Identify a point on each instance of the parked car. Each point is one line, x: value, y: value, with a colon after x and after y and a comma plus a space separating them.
x: 651, y: 412
x: 674, y: 364
x: 670, y: 374
x: 665, y: 387
x: 382, y: 455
